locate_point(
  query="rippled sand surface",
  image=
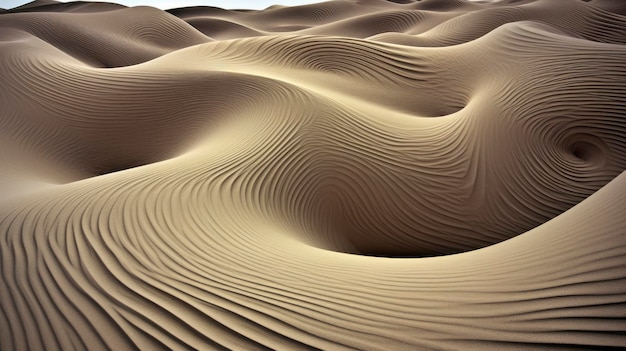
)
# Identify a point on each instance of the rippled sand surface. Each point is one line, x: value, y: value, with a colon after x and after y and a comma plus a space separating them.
x: 348, y: 175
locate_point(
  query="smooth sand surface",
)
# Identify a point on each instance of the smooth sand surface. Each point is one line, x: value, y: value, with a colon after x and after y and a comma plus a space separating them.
x: 369, y: 175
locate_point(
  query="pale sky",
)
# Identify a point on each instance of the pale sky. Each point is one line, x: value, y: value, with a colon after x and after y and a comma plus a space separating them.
x: 166, y: 4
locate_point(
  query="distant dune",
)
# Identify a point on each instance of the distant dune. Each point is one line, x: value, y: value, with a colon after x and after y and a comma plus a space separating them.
x: 348, y: 175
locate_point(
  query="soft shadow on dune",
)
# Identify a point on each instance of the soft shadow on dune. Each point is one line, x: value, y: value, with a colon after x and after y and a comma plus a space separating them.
x: 373, y: 175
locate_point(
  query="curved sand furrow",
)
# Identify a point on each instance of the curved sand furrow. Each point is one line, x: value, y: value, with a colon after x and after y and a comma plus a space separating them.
x: 233, y: 194
x: 370, y: 24
x: 361, y: 220
x: 462, y: 282
x: 133, y: 41
x: 576, y: 18
x: 221, y: 29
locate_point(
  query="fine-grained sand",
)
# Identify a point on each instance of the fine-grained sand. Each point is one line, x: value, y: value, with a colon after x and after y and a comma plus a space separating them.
x: 371, y: 174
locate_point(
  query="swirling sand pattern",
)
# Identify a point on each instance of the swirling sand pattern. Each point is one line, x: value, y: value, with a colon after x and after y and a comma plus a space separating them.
x: 294, y: 178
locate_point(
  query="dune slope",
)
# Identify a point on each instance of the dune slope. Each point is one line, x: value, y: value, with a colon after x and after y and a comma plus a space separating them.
x: 368, y: 175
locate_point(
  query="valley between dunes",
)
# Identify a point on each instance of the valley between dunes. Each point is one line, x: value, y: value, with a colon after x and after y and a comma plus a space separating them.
x: 347, y: 175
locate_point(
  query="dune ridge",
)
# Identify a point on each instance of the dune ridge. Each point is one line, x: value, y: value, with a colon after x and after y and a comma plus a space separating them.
x: 369, y: 175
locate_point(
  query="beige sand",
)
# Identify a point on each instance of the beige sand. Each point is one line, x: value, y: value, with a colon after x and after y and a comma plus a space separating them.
x: 210, y: 179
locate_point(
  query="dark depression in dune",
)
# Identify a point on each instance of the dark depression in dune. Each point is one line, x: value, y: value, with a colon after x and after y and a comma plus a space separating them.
x: 346, y: 175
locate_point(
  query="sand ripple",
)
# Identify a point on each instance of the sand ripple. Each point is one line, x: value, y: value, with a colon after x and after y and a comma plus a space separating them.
x: 368, y: 175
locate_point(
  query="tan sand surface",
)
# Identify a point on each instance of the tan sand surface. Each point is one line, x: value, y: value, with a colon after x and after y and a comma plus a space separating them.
x: 348, y: 175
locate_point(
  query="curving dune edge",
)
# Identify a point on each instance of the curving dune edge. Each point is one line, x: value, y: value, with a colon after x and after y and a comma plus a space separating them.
x: 348, y: 175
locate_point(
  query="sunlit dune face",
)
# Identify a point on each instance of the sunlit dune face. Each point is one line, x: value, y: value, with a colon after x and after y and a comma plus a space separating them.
x: 346, y: 175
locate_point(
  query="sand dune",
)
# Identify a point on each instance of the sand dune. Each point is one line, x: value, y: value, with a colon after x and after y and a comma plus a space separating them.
x: 369, y: 175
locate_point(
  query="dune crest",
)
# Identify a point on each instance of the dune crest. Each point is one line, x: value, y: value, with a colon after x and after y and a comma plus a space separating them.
x: 373, y: 175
